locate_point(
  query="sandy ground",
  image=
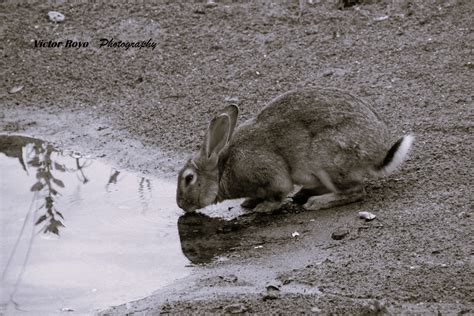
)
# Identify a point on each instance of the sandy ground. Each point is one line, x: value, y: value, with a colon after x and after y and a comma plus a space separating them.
x: 146, y: 110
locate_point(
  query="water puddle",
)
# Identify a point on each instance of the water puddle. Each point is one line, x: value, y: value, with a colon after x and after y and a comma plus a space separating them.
x: 78, y: 235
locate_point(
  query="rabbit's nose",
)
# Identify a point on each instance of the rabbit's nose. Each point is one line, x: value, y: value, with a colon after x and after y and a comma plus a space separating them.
x: 190, y: 209
x: 187, y: 207
x: 180, y: 204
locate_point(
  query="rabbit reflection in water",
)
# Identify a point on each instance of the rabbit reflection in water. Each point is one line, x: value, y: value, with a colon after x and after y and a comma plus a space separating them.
x: 325, y: 140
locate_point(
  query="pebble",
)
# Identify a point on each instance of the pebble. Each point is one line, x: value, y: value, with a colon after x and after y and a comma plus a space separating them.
x: 316, y: 309
x: 339, y: 72
x: 199, y: 11
x: 270, y: 296
x: 235, y: 308
x: 229, y: 278
x: 16, y: 89
x: 367, y: 216
x: 272, y: 292
x: 232, y: 99
x: 210, y: 4
x: 339, y: 234
x: 56, y: 17
x: 272, y: 287
x: 381, y: 18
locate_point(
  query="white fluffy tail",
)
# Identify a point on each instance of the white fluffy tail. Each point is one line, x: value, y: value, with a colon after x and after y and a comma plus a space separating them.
x: 396, y: 155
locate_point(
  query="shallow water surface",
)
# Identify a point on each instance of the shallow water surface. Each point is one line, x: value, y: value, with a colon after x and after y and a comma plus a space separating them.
x: 79, y: 235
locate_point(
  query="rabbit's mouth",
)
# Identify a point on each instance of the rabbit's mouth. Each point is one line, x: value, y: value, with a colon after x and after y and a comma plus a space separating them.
x: 191, y: 209
x: 186, y: 207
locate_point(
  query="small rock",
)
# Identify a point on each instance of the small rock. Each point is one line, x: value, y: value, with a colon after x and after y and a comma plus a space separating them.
x: 295, y: 234
x: 67, y: 309
x: 16, y: 89
x: 56, y: 17
x: 272, y: 287
x: 199, y: 11
x: 328, y: 73
x: 216, y: 47
x: 339, y: 234
x: 270, y: 296
x: 287, y: 281
x: 235, y: 308
x: 232, y: 99
x: 229, y: 278
x: 367, y: 216
x: 316, y: 309
x: 210, y: 4
x: 381, y: 18
x: 272, y: 292
x: 338, y: 72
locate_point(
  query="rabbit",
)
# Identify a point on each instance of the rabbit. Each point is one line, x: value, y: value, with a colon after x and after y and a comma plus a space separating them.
x: 322, y: 139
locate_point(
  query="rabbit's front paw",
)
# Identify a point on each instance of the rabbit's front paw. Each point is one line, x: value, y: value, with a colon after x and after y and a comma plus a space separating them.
x: 267, y: 206
x: 251, y: 203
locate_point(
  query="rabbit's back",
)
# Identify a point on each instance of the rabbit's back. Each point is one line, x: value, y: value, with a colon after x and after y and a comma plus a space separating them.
x: 317, y: 129
x: 317, y: 109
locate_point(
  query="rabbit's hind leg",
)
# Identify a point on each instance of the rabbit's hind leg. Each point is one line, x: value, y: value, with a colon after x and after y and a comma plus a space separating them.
x: 251, y: 203
x: 348, y: 193
x: 302, y: 196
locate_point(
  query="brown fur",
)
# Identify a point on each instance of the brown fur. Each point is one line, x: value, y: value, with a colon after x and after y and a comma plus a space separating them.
x: 310, y: 137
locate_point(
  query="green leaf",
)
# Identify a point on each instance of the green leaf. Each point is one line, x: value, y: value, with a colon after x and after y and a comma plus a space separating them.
x: 41, y: 219
x: 59, y: 213
x: 58, y: 182
x: 35, y: 162
x: 53, y: 226
x: 37, y: 186
x: 59, y: 167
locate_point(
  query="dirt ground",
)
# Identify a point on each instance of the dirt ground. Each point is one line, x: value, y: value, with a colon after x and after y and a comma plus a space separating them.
x: 146, y: 110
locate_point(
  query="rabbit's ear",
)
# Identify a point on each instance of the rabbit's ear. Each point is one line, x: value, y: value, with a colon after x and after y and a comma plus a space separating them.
x: 217, y: 135
x: 233, y: 111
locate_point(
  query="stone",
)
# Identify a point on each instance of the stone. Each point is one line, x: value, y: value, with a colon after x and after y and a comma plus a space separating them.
x: 56, y: 17
x: 235, y: 308
x: 339, y: 234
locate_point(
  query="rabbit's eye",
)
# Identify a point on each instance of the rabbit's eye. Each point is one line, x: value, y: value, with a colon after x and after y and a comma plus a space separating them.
x: 189, y: 178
